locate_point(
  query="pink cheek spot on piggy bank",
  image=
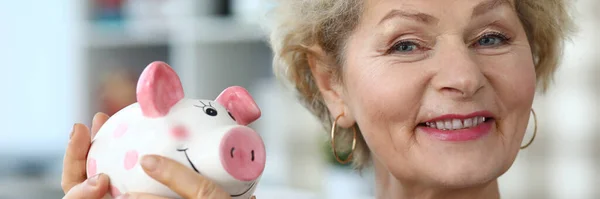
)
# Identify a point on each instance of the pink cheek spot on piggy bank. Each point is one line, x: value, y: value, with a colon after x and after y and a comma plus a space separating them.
x: 210, y: 137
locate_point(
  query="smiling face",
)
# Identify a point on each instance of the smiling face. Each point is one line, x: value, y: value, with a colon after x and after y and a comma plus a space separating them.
x: 441, y: 90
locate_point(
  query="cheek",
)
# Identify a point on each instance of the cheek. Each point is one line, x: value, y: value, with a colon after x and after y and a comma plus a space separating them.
x: 179, y: 133
x: 513, y: 78
x: 384, y: 99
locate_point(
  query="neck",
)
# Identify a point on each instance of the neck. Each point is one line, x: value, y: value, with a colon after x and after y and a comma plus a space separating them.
x: 389, y: 186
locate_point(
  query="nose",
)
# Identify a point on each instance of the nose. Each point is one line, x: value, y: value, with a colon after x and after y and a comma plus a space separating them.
x: 242, y: 153
x: 459, y: 73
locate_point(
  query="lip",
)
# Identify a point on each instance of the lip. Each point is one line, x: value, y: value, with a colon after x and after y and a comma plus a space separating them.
x: 485, y: 114
x: 468, y: 134
x: 472, y: 133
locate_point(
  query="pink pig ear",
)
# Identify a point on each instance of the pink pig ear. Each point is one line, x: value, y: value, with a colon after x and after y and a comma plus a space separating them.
x: 158, y: 89
x: 240, y: 104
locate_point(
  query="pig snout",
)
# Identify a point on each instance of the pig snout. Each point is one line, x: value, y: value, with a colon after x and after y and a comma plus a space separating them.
x: 242, y: 153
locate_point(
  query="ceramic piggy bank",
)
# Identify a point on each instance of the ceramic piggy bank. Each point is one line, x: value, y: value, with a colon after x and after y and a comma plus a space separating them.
x: 211, y: 137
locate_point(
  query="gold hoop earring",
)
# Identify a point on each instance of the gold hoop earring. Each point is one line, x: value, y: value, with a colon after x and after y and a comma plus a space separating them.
x: 534, y: 130
x: 333, y: 142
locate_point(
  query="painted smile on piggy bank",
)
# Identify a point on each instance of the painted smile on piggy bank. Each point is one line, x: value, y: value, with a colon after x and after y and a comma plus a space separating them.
x: 250, y: 186
x: 211, y: 137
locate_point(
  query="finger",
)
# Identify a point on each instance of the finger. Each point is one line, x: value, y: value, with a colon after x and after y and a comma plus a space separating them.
x: 181, y: 179
x: 97, y: 122
x: 74, y: 161
x: 95, y: 187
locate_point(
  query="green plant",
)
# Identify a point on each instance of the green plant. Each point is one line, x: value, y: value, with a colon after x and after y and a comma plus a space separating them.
x: 328, y: 153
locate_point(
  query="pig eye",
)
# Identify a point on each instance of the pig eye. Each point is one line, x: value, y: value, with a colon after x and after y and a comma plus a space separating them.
x: 231, y: 116
x: 210, y: 111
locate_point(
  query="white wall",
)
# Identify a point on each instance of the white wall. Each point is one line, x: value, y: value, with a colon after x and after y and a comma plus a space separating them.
x: 38, y: 57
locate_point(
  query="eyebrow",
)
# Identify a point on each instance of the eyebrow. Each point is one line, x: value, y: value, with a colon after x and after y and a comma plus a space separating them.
x: 487, y: 6
x: 410, y: 14
x: 479, y: 9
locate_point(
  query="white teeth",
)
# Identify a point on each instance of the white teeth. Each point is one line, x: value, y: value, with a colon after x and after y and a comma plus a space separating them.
x: 430, y: 124
x: 447, y: 124
x: 456, y: 123
x: 440, y: 124
x: 468, y: 123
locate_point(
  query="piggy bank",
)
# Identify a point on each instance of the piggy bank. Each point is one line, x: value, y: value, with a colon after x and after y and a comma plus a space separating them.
x: 211, y: 137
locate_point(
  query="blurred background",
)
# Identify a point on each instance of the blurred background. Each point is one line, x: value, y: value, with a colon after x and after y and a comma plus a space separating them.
x: 64, y: 60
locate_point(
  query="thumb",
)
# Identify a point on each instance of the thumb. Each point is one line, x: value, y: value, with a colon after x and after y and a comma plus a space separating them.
x: 181, y: 179
x: 94, y: 187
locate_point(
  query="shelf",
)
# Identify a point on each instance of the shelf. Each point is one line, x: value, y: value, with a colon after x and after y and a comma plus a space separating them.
x: 168, y: 32
x: 218, y: 30
x: 126, y: 34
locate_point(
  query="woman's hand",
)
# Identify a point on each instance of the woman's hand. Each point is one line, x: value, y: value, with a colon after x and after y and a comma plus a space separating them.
x: 179, y: 178
x: 74, y: 182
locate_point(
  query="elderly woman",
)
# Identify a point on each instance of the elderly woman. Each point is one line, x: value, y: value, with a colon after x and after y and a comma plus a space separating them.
x: 437, y: 95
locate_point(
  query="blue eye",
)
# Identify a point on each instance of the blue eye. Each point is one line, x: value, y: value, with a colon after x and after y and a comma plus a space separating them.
x: 405, y: 46
x: 493, y: 39
x: 489, y: 41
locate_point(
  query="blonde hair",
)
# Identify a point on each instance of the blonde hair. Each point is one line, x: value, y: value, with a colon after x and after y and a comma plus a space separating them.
x: 300, y: 24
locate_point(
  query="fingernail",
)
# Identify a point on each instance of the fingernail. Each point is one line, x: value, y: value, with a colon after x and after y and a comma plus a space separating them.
x: 95, y: 118
x: 72, y: 131
x: 150, y: 162
x: 93, y: 181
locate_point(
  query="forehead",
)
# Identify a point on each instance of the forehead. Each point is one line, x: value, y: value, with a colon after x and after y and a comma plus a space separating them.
x: 429, y: 10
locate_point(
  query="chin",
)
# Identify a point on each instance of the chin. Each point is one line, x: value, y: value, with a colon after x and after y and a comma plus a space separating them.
x: 458, y: 175
x: 464, y: 164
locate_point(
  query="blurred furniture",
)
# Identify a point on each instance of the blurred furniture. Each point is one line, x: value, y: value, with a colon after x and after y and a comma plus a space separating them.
x: 209, y: 50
